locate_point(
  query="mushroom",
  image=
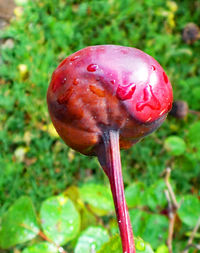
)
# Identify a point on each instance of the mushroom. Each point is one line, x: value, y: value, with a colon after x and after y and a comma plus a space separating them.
x: 103, y: 98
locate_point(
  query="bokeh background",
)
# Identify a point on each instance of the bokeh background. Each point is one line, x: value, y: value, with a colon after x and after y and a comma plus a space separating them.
x: 35, y: 162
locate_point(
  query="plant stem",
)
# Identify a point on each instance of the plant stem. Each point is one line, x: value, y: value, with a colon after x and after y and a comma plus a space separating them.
x: 192, y: 236
x: 109, y: 157
x: 172, y: 208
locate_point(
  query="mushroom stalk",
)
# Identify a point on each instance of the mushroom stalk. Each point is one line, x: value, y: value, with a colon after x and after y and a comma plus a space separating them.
x: 107, y: 92
x: 109, y: 157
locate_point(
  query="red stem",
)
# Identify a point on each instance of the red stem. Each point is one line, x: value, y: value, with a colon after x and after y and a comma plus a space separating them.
x: 109, y: 157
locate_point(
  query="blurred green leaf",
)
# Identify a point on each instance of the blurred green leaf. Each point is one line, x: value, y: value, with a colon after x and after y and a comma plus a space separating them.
x: 162, y: 249
x: 175, y: 145
x: 197, y: 235
x: 154, y: 196
x: 43, y: 247
x: 60, y: 220
x: 194, y: 137
x: 194, y: 134
x: 21, y: 2
x: 189, y: 211
x: 87, y: 217
x: 18, y: 224
x: 91, y: 240
x: 134, y: 194
x: 153, y: 228
x: 114, y: 246
x: 142, y: 246
x: 138, y: 221
x: 98, y: 197
x: 156, y: 229
x: 113, y: 226
x: 43, y: 36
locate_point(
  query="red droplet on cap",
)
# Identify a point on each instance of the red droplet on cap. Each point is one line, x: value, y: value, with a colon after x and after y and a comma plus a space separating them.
x: 75, y: 81
x: 75, y: 57
x: 149, y: 99
x: 126, y: 92
x: 92, y: 67
x: 165, y: 77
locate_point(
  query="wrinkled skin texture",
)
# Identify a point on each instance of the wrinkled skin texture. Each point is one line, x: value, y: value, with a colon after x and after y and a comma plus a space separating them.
x: 108, y: 87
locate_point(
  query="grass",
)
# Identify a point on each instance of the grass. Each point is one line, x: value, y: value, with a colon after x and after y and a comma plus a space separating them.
x: 33, y: 160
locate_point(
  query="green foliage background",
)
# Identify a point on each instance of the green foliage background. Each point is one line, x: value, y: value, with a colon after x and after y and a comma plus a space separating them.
x: 33, y: 159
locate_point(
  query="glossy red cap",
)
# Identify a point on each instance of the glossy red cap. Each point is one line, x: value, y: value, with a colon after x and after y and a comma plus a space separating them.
x: 108, y: 86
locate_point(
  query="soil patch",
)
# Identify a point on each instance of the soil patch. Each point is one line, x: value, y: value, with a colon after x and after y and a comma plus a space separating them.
x: 6, y: 11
